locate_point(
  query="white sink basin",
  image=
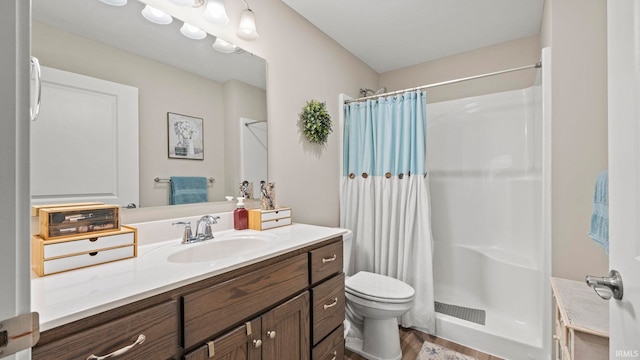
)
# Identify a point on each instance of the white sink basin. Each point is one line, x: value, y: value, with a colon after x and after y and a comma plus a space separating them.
x: 226, y: 246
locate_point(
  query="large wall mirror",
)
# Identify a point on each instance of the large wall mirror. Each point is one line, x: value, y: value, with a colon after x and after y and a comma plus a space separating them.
x: 172, y: 74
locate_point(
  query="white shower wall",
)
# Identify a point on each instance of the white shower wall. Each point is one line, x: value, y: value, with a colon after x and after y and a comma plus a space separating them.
x: 485, y: 162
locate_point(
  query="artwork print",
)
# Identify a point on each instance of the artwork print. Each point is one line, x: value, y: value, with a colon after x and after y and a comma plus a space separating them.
x: 186, y: 137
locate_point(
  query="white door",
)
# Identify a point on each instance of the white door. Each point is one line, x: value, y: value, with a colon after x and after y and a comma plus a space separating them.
x: 623, y: 37
x: 84, y: 147
x: 14, y: 162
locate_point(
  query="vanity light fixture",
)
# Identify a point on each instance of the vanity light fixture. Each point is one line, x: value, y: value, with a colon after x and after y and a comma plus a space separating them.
x: 156, y: 16
x: 184, y: 3
x: 215, y: 12
x: 115, y: 2
x: 192, y: 32
x: 247, y: 29
x: 224, y: 46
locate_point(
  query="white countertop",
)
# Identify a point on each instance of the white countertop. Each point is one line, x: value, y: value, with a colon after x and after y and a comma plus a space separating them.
x: 73, y: 295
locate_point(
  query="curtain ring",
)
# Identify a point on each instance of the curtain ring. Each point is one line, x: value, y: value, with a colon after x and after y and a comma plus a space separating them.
x: 387, y: 175
x: 365, y: 175
x: 400, y: 176
x: 409, y: 173
x: 352, y: 176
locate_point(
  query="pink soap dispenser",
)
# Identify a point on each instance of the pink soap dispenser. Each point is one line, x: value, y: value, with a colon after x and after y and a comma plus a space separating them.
x: 240, y: 216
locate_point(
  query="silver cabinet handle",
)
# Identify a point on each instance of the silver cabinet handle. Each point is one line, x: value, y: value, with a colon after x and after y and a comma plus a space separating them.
x: 35, y: 108
x: 334, y: 303
x: 271, y: 334
x: 257, y: 343
x: 326, y: 260
x: 119, y: 352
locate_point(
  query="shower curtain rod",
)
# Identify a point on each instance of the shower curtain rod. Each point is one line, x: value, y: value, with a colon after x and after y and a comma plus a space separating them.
x: 536, y: 65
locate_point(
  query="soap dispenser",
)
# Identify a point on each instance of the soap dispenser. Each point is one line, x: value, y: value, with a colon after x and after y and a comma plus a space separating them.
x: 240, y: 216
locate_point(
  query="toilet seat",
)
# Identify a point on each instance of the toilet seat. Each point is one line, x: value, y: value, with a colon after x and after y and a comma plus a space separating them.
x: 379, y: 288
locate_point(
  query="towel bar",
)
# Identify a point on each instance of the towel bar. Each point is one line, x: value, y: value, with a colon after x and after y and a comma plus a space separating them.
x: 164, y: 180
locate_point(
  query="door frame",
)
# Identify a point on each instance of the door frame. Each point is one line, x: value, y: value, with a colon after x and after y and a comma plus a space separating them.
x: 15, y: 273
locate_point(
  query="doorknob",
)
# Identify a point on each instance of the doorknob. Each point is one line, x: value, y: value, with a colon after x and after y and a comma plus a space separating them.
x: 606, y: 287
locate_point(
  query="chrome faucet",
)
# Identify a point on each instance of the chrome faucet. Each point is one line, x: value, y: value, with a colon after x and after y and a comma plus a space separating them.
x: 203, y: 229
x: 205, y: 222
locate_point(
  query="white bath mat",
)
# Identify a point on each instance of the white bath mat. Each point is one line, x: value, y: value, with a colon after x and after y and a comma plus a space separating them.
x: 431, y: 351
x: 474, y: 315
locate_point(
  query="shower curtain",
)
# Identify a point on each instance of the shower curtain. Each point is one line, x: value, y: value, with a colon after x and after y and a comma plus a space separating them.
x: 384, y: 197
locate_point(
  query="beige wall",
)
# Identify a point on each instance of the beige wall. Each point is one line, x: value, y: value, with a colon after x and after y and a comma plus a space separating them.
x: 576, y: 31
x: 302, y: 64
x: 515, y: 53
x: 161, y: 89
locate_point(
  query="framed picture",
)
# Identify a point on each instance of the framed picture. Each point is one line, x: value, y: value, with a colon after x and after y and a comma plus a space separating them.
x: 186, y: 138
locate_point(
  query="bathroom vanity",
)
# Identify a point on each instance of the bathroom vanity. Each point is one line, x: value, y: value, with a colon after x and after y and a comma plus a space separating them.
x: 285, y: 301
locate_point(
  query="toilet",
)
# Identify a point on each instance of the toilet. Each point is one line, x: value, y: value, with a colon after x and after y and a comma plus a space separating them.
x: 374, y: 303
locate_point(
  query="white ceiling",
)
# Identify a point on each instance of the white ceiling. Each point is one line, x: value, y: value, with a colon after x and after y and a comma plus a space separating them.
x: 124, y: 27
x: 392, y: 34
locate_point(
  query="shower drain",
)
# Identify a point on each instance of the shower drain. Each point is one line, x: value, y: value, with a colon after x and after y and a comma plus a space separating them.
x: 474, y: 315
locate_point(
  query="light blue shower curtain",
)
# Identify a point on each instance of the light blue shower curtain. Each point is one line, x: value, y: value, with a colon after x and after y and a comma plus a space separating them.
x: 384, y: 196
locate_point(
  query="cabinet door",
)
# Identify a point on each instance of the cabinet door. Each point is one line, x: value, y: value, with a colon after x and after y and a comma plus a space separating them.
x: 285, y: 330
x: 242, y: 343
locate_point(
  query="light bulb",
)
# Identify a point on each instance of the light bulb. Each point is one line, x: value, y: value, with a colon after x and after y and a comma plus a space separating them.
x: 182, y: 2
x: 224, y: 46
x: 115, y: 2
x: 215, y: 12
x: 192, y: 32
x: 247, y: 28
x: 156, y: 16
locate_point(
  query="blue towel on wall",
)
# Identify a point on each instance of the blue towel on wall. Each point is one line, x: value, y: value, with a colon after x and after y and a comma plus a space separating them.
x: 188, y: 190
x: 600, y: 218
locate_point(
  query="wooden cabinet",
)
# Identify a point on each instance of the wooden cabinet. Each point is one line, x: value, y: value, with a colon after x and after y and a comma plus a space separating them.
x: 328, y: 301
x: 243, y: 342
x: 157, y: 325
x: 281, y: 333
x: 285, y: 330
x: 212, y: 310
x: 581, y: 330
x: 287, y: 307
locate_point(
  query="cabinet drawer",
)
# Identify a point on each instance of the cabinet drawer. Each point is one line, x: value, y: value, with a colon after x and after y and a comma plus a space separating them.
x: 275, y: 223
x: 331, y: 348
x: 87, y: 245
x: 328, y: 307
x: 269, y: 219
x: 209, y: 311
x: 326, y: 261
x: 159, y: 324
x: 276, y: 214
x: 87, y: 259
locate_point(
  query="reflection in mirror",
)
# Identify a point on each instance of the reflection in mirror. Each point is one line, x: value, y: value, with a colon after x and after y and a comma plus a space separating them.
x: 173, y: 74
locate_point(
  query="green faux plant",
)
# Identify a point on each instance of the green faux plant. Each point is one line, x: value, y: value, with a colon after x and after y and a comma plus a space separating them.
x: 315, y: 121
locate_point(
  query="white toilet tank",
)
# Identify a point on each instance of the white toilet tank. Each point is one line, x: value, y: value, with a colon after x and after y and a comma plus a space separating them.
x: 347, y: 241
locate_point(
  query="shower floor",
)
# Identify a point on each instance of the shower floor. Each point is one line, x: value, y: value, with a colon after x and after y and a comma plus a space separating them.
x: 469, y: 314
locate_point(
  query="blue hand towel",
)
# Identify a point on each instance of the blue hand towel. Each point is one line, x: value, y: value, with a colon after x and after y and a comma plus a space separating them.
x: 600, y: 217
x: 188, y: 190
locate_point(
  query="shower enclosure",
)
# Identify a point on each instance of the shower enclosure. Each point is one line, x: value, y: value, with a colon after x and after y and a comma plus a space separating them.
x: 488, y: 159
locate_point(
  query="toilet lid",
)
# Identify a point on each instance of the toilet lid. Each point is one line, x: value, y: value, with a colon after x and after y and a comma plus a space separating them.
x: 378, y: 287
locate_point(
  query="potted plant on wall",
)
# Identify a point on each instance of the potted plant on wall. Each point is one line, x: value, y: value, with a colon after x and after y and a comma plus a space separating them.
x: 315, y: 121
